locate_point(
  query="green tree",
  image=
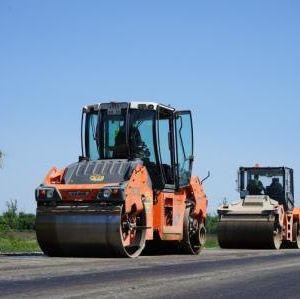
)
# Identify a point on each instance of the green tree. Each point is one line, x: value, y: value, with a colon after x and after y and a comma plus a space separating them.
x: 9, y: 219
x: 25, y: 221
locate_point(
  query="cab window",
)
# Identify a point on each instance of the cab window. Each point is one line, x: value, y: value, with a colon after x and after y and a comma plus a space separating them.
x: 113, y: 136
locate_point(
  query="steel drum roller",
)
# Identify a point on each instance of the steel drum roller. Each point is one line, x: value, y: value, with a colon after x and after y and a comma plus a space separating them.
x: 84, y: 232
x: 247, y: 233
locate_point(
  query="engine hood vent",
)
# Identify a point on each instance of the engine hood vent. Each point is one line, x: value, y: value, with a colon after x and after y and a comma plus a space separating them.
x: 100, y: 171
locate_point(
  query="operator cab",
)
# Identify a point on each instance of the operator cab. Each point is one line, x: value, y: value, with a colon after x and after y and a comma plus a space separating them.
x: 156, y: 134
x: 276, y: 182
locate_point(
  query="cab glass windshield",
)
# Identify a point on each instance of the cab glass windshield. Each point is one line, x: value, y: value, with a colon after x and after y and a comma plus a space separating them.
x: 263, y: 182
x: 121, y: 136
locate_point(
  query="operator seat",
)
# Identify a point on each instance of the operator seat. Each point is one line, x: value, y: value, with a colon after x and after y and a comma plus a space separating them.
x: 120, y: 150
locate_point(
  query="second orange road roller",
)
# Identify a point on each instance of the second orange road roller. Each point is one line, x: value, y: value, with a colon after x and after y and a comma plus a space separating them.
x: 265, y: 216
x: 132, y: 187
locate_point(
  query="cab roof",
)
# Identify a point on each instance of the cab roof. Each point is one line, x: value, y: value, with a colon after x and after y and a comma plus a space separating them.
x: 143, y: 105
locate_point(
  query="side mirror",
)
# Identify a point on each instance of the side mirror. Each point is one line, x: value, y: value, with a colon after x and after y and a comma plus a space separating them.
x: 208, y: 175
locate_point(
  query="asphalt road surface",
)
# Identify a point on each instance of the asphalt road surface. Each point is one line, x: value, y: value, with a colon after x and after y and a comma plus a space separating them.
x: 212, y: 274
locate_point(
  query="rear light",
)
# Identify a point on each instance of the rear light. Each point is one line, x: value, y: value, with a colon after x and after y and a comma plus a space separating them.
x: 115, y: 191
x: 41, y: 194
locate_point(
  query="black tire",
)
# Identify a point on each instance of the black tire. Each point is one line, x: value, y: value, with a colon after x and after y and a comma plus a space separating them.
x: 194, y: 233
x: 277, y: 240
x: 135, y: 249
x: 296, y: 236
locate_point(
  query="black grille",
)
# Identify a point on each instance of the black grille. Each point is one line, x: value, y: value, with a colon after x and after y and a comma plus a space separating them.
x: 101, y: 171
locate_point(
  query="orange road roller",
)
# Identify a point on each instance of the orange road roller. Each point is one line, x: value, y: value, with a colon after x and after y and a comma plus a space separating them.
x: 131, y: 189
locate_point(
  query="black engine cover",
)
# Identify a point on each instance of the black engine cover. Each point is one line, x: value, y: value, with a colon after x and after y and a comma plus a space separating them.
x: 100, y: 171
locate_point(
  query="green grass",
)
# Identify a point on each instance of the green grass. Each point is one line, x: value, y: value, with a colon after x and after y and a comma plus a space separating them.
x: 25, y: 241
x: 211, y: 242
x: 16, y: 242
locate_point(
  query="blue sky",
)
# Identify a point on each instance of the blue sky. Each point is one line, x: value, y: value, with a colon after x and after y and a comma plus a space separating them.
x: 235, y: 64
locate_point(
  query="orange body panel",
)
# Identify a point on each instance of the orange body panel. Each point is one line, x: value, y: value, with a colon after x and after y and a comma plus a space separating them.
x: 169, y: 209
x: 168, y: 214
x: 199, y: 196
x: 139, y: 196
x: 54, y: 176
x: 289, y: 218
x: 296, y: 213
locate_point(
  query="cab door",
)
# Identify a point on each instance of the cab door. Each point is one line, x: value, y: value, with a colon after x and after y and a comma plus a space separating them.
x: 184, y: 147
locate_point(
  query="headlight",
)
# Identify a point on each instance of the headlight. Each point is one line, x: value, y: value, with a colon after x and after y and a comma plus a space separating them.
x: 106, y: 193
x: 50, y: 193
x: 112, y: 194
